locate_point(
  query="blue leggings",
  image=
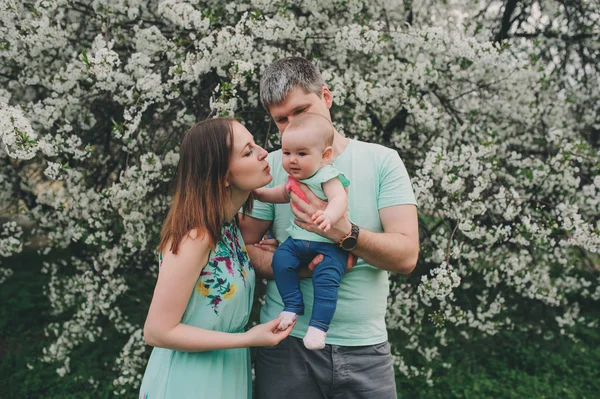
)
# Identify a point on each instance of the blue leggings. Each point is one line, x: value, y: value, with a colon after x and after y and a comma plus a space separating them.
x: 326, y: 277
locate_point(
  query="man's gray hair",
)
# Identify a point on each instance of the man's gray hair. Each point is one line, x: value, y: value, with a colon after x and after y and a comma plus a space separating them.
x: 284, y: 75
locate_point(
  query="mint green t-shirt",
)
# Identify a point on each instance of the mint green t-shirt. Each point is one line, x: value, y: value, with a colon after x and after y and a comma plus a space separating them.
x: 379, y: 180
x: 315, y: 184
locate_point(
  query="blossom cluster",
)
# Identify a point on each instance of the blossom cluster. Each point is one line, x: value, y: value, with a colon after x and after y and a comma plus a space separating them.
x: 10, y: 244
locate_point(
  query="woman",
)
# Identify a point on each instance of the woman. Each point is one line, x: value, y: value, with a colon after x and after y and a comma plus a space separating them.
x: 205, y: 286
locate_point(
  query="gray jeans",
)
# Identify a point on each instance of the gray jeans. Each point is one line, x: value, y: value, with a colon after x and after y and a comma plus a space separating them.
x: 290, y: 371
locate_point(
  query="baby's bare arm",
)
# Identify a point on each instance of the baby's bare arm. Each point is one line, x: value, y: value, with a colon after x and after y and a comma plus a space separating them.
x: 337, y: 200
x: 273, y: 195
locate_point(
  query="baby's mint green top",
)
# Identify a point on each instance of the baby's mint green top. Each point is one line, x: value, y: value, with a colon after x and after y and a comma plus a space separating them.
x: 315, y: 183
x: 379, y: 180
x: 221, y: 301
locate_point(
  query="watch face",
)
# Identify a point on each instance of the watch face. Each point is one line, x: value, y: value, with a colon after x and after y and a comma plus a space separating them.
x: 349, y: 243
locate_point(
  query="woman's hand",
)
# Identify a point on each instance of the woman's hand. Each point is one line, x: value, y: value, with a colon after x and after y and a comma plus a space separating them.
x: 267, y: 334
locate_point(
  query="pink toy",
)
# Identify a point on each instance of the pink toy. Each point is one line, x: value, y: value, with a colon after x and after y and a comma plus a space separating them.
x: 293, y: 185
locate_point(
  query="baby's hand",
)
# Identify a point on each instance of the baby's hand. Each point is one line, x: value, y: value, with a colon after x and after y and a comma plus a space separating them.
x: 321, y: 219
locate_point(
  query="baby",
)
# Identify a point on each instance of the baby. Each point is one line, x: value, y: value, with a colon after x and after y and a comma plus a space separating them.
x: 306, y: 157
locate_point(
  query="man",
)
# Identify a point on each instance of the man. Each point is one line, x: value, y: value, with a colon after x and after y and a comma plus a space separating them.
x: 381, y: 230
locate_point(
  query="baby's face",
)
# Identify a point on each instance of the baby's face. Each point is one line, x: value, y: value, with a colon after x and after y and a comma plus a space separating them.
x: 302, y: 153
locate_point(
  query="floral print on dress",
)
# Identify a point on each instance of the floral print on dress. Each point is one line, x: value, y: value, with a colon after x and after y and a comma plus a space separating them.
x: 243, y: 257
x: 214, y: 283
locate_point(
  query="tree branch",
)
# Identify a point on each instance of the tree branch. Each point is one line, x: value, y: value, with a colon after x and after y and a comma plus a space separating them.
x: 509, y: 9
x: 555, y: 35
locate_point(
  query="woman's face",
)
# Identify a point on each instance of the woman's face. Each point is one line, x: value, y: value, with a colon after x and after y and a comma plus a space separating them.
x: 248, y: 169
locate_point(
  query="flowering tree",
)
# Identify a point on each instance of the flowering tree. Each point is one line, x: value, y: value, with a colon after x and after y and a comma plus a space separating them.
x: 493, y: 108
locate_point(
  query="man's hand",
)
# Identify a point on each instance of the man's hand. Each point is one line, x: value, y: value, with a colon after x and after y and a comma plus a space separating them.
x: 267, y: 244
x: 307, y: 272
x: 304, y: 211
x: 270, y: 245
x: 349, y: 263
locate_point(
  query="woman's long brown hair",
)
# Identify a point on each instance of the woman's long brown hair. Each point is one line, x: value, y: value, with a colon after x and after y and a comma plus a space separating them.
x: 200, y: 196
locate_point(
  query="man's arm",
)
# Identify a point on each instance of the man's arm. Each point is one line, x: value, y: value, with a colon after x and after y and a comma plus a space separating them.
x: 395, y: 250
x: 261, y: 251
x: 253, y: 230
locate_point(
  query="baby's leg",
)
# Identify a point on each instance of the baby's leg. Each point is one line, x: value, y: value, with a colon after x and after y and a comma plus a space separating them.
x: 326, y: 280
x: 285, y: 264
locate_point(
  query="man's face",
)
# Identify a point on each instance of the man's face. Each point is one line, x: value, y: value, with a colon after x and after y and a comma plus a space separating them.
x: 298, y: 102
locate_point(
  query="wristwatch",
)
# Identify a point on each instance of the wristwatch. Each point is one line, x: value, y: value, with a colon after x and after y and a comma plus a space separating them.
x: 349, y: 242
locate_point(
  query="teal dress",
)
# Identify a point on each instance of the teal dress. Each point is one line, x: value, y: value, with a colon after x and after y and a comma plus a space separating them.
x: 221, y: 301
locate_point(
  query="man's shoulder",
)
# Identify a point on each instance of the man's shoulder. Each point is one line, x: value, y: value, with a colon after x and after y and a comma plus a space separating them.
x: 376, y: 152
x: 273, y: 155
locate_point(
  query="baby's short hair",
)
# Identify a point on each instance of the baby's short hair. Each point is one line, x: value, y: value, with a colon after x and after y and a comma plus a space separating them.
x: 315, y: 122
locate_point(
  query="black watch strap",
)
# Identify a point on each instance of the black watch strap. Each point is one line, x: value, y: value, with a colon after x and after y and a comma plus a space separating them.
x: 349, y: 242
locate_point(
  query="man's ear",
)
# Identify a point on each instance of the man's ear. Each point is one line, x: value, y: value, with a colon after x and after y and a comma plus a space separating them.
x: 327, y: 96
x: 327, y: 153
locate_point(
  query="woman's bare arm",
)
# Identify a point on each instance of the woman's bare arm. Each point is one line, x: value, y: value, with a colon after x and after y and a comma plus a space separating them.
x: 176, y: 281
